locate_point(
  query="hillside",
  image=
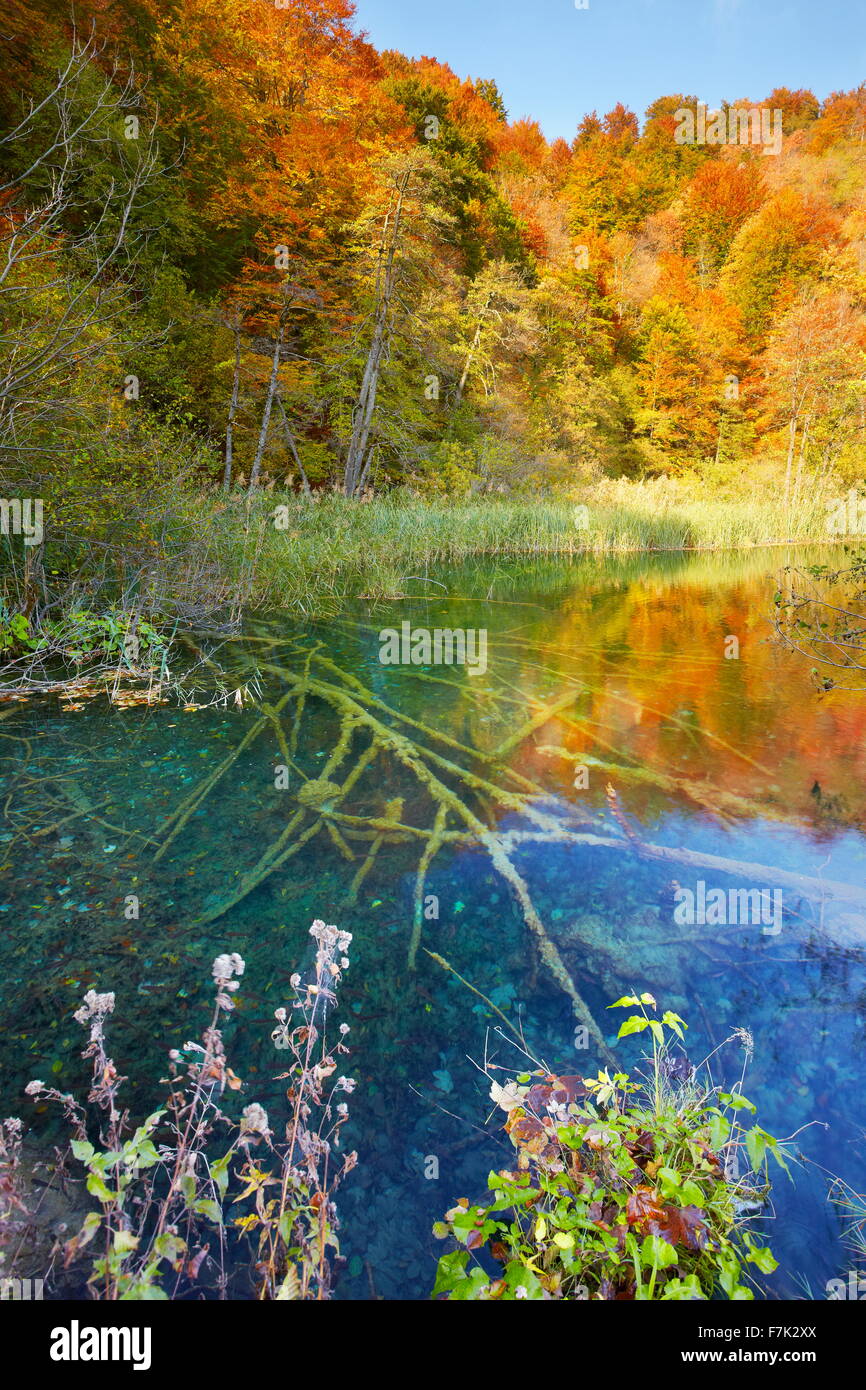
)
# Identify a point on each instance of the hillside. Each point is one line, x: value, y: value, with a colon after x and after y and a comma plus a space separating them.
x: 372, y: 275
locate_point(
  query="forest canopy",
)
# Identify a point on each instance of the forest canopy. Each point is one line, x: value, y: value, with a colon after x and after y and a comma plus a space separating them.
x: 239, y: 237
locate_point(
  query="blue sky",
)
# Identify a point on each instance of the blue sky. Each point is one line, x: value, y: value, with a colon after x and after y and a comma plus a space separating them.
x: 554, y: 62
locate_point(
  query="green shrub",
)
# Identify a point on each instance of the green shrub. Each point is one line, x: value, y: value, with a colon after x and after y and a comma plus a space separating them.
x: 621, y: 1190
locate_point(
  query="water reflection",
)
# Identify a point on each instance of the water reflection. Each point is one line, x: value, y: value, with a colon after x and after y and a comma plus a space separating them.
x: 614, y: 674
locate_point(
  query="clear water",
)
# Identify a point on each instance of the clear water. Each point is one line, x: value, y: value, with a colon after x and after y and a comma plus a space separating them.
x: 738, y: 758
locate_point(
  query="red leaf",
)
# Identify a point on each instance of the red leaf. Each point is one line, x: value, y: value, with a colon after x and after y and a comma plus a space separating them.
x: 569, y: 1088
x: 642, y: 1207
x: 681, y: 1226
x: 641, y: 1149
x: 677, y: 1225
x: 194, y: 1265
x: 537, y: 1098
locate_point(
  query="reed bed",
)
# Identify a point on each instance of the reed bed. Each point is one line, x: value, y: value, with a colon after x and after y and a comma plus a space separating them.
x: 287, y: 551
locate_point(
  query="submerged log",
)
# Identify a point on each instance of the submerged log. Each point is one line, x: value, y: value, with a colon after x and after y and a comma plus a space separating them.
x: 815, y: 889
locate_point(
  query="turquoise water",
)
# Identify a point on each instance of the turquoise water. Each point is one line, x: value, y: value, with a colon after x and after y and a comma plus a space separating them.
x: 733, y: 757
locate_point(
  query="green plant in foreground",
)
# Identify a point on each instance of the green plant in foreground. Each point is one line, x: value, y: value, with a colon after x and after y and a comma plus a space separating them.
x: 82, y: 636
x: 623, y: 1189
x: 116, y: 634
x: 14, y: 631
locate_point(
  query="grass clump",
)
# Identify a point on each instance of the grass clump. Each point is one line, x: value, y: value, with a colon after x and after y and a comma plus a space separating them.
x: 623, y: 1189
x: 298, y: 553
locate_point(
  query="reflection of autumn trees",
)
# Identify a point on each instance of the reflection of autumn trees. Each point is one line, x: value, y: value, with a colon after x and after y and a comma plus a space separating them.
x: 819, y: 614
x: 662, y: 700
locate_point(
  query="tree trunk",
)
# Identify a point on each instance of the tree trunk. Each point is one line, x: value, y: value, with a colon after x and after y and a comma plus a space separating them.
x: 363, y: 478
x: 266, y: 413
x: 801, y: 458
x: 792, y: 436
x: 470, y: 358
x: 290, y: 439
x: 719, y: 439
x: 362, y: 415
x: 233, y: 405
x: 366, y: 405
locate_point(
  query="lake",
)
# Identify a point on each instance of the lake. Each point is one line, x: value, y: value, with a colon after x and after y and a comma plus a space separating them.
x: 652, y: 675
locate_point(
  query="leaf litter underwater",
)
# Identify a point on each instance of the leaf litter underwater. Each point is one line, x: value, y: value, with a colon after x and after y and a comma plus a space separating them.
x: 533, y: 827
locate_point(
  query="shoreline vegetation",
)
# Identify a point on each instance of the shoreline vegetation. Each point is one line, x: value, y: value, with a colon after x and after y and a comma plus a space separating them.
x: 222, y: 556
x: 287, y: 324
x: 374, y: 540
x: 626, y: 1188
x: 260, y: 357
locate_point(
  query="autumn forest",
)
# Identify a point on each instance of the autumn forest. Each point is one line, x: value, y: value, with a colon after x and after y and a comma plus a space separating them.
x: 432, y: 589
x: 247, y: 248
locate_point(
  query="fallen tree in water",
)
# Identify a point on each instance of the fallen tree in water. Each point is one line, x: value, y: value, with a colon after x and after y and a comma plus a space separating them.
x: 453, y: 790
x: 461, y: 793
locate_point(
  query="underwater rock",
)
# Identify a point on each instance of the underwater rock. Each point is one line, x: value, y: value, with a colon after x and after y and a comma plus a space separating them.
x: 319, y: 794
x: 587, y: 941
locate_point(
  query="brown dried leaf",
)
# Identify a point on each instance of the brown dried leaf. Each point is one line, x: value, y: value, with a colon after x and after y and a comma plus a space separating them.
x: 642, y: 1207
x: 681, y: 1226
